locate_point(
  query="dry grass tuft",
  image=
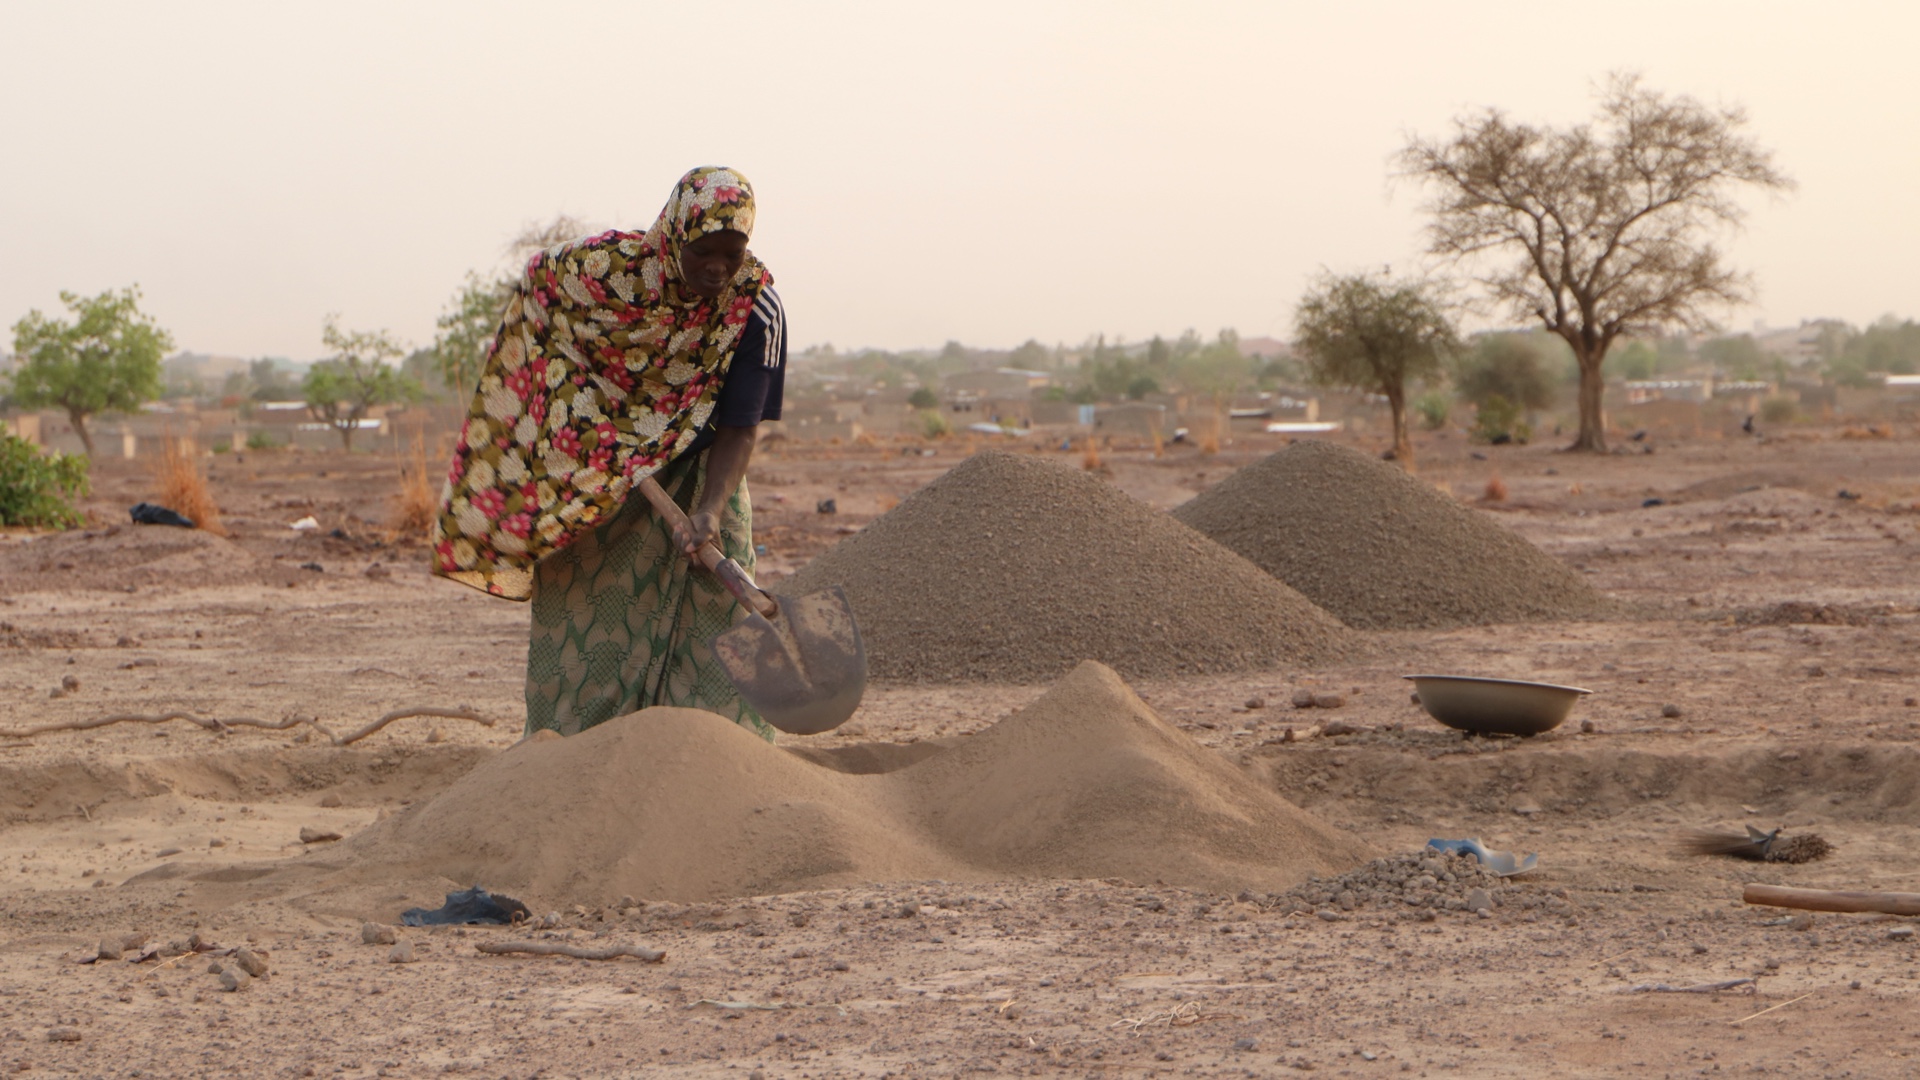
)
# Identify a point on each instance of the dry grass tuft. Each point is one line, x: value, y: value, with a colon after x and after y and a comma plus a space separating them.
x: 183, y: 487
x: 1090, y: 461
x: 416, y: 503
x: 1496, y: 490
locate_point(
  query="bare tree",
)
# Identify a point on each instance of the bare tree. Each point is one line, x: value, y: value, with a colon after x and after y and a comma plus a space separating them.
x: 1370, y: 332
x: 1611, y: 222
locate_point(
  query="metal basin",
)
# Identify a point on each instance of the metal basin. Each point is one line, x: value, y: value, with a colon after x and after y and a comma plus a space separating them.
x: 1495, y: 706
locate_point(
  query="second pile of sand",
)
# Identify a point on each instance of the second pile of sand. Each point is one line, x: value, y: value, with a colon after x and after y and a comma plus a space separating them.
x: 1379, y: 548
x: 677, y: 804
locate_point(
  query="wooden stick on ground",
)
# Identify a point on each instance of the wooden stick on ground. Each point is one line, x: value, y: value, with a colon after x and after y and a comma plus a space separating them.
x: 1887, y: 903
x: 559, y: 948
x: 1763, y: 1012
x: 412, y: 710
x: 208, y: 722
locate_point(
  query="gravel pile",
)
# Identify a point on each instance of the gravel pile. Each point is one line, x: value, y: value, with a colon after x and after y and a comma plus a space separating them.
x: 1414, y: 881
x: 1010, y: 568
x: 1381, y: 549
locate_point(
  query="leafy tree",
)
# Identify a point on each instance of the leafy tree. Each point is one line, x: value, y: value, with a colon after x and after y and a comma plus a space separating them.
x: 1637, y: 360
x: 466, y: 329
x: 1888, y: 346
x: 106, y: 360
x: 1031, y: 356
x: 38, y: 490
x: 1216, y: 369
x: 1509, y: 366
x: 1141, y: 385
x: 1738, y: 356
x: 359, y: 375
x: 1370, y: 332
x: 1609, y: 224
x: 923, y: 398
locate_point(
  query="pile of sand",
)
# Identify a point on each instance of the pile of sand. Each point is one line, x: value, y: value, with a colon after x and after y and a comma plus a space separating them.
x: 1012, y: 568
x: 677, y: 804
x: 1381, y: 549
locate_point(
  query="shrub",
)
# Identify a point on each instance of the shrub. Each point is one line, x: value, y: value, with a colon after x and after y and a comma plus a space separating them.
x: 923, y: 398
x: 933, y: 425
x: 262, y: 440
x: 183, y: 487
x: 39, y: 489
x: 1779, y: 410
x: 1497, y: 420
x: 1433, y: 409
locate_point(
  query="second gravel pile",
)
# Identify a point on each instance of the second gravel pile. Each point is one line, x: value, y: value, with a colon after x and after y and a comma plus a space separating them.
x: 1380, y: 549
x: 1011, y: 568
x: 1414, y: 883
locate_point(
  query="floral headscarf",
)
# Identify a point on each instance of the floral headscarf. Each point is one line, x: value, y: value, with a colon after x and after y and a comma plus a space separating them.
x: 604, y: 368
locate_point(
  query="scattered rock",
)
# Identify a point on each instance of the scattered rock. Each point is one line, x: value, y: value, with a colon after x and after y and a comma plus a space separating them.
x: 1246, y: 1045
x: 310, y: 834
x: 1329, y: 701
x: 373, y: 933
x: 1256, y: 703
x: 401, y: 953
x: 253, y: 963
x: 1339, y: 727
x: 377, y: 572
x: 1303, y: 699
x: 109, y: 949
x: 166, y: 851
x: 437, y: 735
x: 1588, y: 727
x: 330, y: 800
x: 1901, y: 933
x: 1671, y: 711
x: 1479, y: 900
x: 64, y: 1034
x: 233, y: 980
x: 70, y: 683
x: 216, y: 842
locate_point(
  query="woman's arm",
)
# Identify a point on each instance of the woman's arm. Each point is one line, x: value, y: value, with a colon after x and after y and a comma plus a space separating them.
x: 726, y: 466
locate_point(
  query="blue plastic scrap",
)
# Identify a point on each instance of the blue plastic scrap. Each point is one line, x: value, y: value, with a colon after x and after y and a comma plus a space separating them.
x: 1500, y: 863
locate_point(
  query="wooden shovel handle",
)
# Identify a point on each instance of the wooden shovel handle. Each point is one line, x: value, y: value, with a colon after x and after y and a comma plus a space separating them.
x: 1890, y: 903
x: 729, y: 572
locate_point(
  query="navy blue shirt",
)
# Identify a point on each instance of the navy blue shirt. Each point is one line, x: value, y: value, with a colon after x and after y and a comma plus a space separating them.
x: 757, y: 374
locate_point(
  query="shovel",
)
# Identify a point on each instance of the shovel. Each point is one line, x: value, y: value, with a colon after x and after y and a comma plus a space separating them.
x: 798, y: 661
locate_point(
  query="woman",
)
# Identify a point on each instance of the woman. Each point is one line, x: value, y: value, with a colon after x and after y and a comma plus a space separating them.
x: 622, y: 356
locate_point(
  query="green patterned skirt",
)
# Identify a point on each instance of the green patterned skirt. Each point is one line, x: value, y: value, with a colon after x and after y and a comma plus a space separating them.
x: 622, y: 622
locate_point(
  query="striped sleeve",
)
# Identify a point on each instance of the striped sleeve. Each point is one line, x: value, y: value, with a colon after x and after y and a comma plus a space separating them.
x: 774, y: 316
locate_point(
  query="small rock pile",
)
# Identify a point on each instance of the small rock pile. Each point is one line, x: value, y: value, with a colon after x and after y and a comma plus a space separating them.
x: 1425, y: 881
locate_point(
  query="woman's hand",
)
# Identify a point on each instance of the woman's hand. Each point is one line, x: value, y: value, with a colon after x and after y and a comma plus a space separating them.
x: 703, y: 527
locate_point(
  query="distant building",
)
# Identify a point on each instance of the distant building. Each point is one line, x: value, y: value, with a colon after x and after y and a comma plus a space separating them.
x: 1797, y: 345
x: 1001, y: 382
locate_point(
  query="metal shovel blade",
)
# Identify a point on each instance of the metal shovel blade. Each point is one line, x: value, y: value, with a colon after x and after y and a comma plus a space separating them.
x: 803, y: 670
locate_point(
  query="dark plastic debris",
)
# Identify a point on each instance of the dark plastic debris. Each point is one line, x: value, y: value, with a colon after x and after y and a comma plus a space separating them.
x: 154, y: 514
x: 470, y: 907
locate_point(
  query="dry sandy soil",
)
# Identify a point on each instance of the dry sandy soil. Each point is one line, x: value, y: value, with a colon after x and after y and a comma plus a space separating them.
x: 1766, y: 671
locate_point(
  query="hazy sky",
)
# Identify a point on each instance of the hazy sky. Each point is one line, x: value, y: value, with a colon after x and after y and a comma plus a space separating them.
x: 976, y: 170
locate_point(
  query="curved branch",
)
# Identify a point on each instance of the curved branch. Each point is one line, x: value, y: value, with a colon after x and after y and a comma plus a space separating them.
x: 415, y: 710
x: 208, y: 722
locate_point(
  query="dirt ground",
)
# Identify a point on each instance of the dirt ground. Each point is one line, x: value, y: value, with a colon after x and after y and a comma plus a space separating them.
x: 1768, y: 672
